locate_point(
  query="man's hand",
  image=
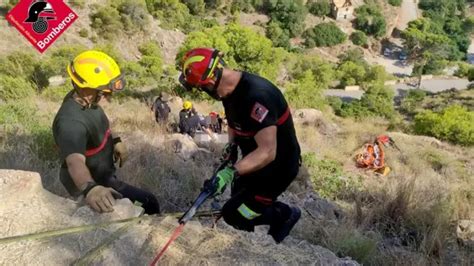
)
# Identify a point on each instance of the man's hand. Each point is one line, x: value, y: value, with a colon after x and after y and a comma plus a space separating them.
x: 221, y: 180
x: 120, y: 152
x: 102, y: 199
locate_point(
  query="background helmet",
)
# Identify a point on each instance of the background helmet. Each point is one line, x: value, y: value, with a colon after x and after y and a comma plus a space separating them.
x: 187, y: 105
x: 96, y: 70
x: 200, y: 68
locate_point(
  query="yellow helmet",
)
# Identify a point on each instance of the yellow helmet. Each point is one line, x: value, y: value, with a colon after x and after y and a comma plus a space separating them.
x: 96, y: 70
x: 187, y: 105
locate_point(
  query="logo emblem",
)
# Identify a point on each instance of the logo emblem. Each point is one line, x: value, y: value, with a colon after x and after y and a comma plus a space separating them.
x: 41, y: 21
x: 259, y: 112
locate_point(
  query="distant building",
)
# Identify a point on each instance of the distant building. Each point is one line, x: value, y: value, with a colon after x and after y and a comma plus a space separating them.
x: 342, y: 9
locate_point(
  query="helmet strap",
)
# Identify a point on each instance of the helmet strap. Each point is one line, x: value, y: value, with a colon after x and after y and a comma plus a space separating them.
x: 213, y: 91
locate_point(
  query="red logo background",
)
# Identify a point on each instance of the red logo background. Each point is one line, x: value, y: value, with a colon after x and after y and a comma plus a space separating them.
x: 65, y: 16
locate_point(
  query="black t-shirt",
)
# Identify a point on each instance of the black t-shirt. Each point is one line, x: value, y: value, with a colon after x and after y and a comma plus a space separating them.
x: 254, y: 105
x: 85, y: 131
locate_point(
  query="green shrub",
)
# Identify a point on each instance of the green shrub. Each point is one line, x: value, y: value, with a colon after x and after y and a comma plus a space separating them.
x: 180, y: 19
x: 395, y: 2
x: 351, y: 73
x: 376, y: 101
x: 107, y: 22
x: 412, y: 101
x: 57, y: 94
x: 455, y: 123
x: 470, y: 74
x: 133, y: 15
x: 288, y: 14
x: 328, y: 178
x: 324, y: 34
x: 319, y: 8
x: 15, y: 88
x: 359, y: 38
x: 370, y: 20
x: 323, y: 72
x: 303, y: 92
x: 278, y: 36
x: 18, y: 64
x: 355, y: 245
x: 84, y: 33
x: 17, y: 114
x: 463, y: 70
x: 243, y: 48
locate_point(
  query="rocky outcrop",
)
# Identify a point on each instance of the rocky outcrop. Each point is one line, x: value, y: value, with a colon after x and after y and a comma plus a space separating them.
x: 28, y: 208
x: 313, y: 117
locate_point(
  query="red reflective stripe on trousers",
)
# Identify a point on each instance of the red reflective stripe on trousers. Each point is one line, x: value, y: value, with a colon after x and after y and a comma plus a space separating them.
x: 94, y: 151
x: 263, y: 200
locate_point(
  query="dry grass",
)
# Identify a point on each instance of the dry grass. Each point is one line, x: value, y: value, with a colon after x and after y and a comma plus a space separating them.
x: 410, y: 214
x: 404, y: 218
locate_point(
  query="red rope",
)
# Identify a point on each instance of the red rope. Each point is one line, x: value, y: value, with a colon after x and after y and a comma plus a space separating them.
x: 173, y: 237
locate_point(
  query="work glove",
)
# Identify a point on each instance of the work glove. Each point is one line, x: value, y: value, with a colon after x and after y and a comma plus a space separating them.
x: 102, y: 199
x: 218, y: 183
x: 120, y: 151
x: 230, y: 153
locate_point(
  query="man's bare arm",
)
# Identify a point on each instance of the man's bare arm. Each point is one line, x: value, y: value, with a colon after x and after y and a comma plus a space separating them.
x: 264, y: 154
x: 76, y: 164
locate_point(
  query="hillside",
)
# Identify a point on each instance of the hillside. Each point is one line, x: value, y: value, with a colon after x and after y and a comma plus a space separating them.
x: 421, y: 213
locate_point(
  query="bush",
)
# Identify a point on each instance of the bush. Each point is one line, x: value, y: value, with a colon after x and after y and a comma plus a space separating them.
x: 107, y: 22
x: 18, y: 64
x: 454, y: 123
x: 243, y: 48
x: 196, y: 7
x: 84, y: 33
x: 57, y: 94
x: 370, y: 20
x: 412, y: 101
x: 320, y: 8
x: 278, y: 36
x: 463, y: 70
x: 324, y: 34
x: 323, y: 72
x: 395, y: 2
x: 15, y: 88
x: 303, y: 92
x: 376, y: 101
x: 328, y: 177
x: 288, y: 14
x: 180, y: 19
x: 133, y: 16
x: 470, y: 74
x: 359, y: 38
x: 351, y: 73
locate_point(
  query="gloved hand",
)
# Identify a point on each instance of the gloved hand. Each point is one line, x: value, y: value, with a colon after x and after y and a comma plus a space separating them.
x: 102, y: 199
x: 230, y: 153
x: 222, y: 178
x: 120, y: 152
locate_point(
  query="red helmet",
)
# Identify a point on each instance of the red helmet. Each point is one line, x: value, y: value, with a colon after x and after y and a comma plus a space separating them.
x: 200, y: 68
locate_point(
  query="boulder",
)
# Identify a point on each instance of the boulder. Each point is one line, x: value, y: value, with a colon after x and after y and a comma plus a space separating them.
x: 465, y: 232
x: 313, y: 117
x: 183, y: 145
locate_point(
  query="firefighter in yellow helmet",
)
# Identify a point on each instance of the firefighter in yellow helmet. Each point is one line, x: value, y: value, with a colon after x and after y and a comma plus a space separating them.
x: 87, y: 146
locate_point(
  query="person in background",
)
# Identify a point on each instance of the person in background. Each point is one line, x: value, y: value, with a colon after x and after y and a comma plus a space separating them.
x: 161, y: 109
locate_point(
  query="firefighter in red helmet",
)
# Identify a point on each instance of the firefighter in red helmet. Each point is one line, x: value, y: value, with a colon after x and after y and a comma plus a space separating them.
x: 261, y: 125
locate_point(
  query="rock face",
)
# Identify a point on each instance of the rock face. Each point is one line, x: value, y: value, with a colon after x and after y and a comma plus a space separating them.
x: 465, y: 232
x: 313, y: 117
x: 27, y: 208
